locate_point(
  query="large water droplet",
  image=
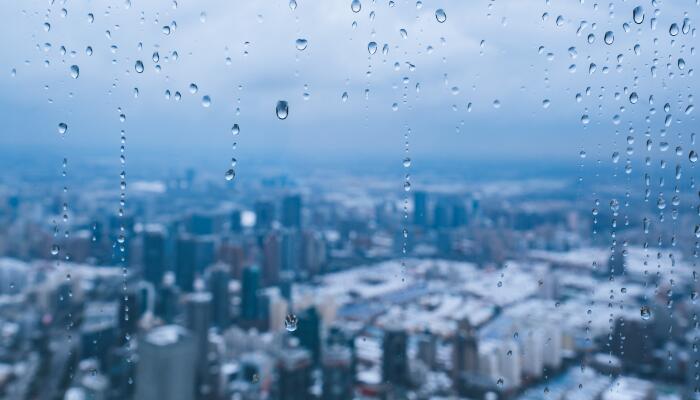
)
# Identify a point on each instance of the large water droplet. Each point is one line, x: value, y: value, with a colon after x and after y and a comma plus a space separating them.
x: 235, y: 129
x: 440, y: 15
x: 609, y: 37
x: 372, y: 47
x: 230, y: 174
x: 301, y: 44
x: 54, y: 249
x: 355, y: 6
x: 282, y: 109
x: 291, y: 320
x: 638, y: 15
x: 693, y: 156
x: 62, y: 128
x: 673, y: 29
x: 74, y: 71
x: 645, y: 312
x: 206, y: 101
x: 138, y: 66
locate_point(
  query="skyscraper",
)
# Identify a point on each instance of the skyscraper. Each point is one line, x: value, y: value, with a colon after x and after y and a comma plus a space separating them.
x: 249, y: 294
x: 185, y: 260
x: 338, y: 375
x: 294, y: 374
x: 465, y: 352
x: 166, y: 366
x: 420, y: 209
x: 309, y: 332
x: 154, y: 255
x: 394, y: 357
x: 198, y: 319
x: 272, y: 259
x: 264, y: 214
x: 291, y: 211
x: 218, y: 279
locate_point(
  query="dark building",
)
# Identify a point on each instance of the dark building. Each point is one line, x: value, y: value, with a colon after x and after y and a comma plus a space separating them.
x: 338, y: 373
x: 291, y: 211
x: 249, y: 294
x: 193, y: 254
x: 272, y: 259
x: 202, y: 224
x: 420, y: 208
x: 154, y: 256
x: 442, y: 217
x: 633, y: 343
x: 218, y: 280
x: 235, y: 222
x: 294, y: 375
x: 167, y: 301
x: 465, y: 352
x: 394, y: 357
x: 309, y: 332
x: 198, y: 320
x: 264, y: 214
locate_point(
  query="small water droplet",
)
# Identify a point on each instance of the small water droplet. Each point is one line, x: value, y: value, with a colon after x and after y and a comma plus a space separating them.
x: 282, y: 109
x: 440, y: 15
x: 138, y: 66
x: 673, y: 29
x: 609, y: 37
x: 372, y: 47
x: 62, y: 128
x: 206, y: 101
x: 301, y: 44
x: 290, y: 322
x: 230, y: 174
x: 54, y: 249
x: 645, y: 312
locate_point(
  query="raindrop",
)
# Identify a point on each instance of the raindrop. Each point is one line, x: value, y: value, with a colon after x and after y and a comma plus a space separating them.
x: 693, y: 156
x: 54, y: 249
x: 355, y: 6
x: 230, y: 174
x: 282, y: 109
x: 372, y: 47
x: 609, y: 37
x: 291, y: 320
x: 638, y: 15
x: 645, y: 312
x: 585, y: 119
x: 301, y: 44
x: 138, y: 66
x: 403, y: 33
x: 673, y: 30
x: 344, y: 97
x: 407, y: 162
x: 206, y: 101
x: 193, y: 88
x: 634, y: 97
x: 62, y: 128
x: 292, y: 5
x: 74, y: 71
x: 235, y: 130
x: 440, y: 15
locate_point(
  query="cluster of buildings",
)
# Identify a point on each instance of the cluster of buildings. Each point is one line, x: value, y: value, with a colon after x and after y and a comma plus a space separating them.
x: 305, y: 293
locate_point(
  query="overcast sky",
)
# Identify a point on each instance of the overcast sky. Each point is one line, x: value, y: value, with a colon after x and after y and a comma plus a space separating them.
x: 485, y: 51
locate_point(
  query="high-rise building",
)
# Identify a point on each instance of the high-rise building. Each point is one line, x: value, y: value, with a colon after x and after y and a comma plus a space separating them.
x: 338, y: 374
x: 218, y: 279
x: 249, y: 294
x: 198, y: 319
x: 291, y: 211
x: 291, y: 252
x: 420, y: 208
x: 168, y: 299
x: 185, y: 260
x: 465, y: 351
x: 154, y: 255
x: 294, y: 374
x: 193, y: 254
x: 264, y: 214
x: 633, y: 343
x: 232, y: 254
x: 272, y: 259
x: 395, y: 357
x: 236, y: 225
x: 166, y: 366
x: 309, y: 332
